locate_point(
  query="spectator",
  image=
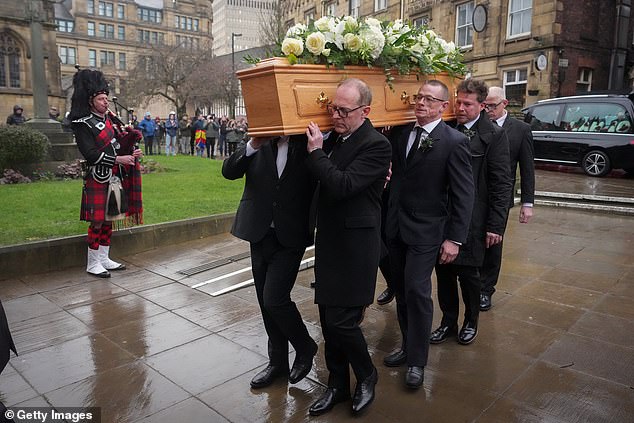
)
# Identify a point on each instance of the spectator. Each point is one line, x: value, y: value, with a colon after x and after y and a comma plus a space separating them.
x: 212, y: 133
x: 171, y: 134
x: 200, y: 139
x: 17, y: 118
x: 185, y: 128
x: 222, y: 140
x: 53, y: 114
x: 148, y: 129
x: 233, y: 137
x: 160, y: 131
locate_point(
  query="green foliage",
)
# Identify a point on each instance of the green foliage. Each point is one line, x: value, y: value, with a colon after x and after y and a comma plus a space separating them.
x: 20, y: 146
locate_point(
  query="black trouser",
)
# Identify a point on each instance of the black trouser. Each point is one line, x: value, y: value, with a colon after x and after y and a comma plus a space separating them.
x: 448, y: 276
x: 275, y: 269
x: 490, y: 270
x: 412, y: 266
x: 345, y: 345
x: 210, y: 146
x: 149, y: 142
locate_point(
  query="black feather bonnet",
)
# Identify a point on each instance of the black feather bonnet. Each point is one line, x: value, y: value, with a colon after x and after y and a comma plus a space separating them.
x: 87, y: 83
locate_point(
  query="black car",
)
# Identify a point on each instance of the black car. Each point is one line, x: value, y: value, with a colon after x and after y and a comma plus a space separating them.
x: 591, y: 131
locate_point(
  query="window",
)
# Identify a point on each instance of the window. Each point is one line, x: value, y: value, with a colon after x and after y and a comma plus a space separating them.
x: 106, y: 58
x: 331, y: 9
x: 10, y: 54
x: 105, y: 9
x: 584, y: 81
x: 187, y: 42
x: 545, y: 117
x: 596, y: 117
x: 421, y: 21
x: 380, y: 5
x: 309, y: 15
x: 120, y: 11
x: 90, y: 7
x: 515, y: 86
x: 149, y: 37
x: 187, y: 24
x: 92, y: 58
x: 121, y: 32
x: 68, y: 55
x: 106, y: 31
x: 519, y: 22
x: 464, y: 28
x: 122, y: 61
x: 65, y: 26
x: 355, y: 5
x: 91, y: 29
x: 149, y: 15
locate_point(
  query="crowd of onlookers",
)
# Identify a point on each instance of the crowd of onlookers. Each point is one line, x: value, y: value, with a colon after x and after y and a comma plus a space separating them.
x: 205, y: 136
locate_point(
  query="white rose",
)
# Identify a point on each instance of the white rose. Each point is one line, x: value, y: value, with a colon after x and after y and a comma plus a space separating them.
x: 292, y: 46
x: 325, y: 23
x: 325, y: 52
x: 315, y: 43
x: 350, y: 24
x: 352, y: 42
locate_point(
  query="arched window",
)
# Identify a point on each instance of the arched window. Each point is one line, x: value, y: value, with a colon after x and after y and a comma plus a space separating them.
x: 9, y: 61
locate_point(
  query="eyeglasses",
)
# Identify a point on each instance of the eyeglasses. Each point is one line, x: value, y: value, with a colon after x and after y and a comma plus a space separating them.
x: 492, y: 106
x: 427, y: 99
x: 342, y: 111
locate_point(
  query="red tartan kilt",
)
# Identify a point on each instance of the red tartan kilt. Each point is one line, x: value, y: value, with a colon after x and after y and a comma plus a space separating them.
x: 93, y: 201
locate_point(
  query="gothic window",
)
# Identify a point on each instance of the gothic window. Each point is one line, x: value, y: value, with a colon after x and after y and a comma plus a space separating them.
x: 10, y: 54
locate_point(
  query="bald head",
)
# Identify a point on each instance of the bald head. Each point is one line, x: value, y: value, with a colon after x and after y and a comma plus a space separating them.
x: 496, y: 103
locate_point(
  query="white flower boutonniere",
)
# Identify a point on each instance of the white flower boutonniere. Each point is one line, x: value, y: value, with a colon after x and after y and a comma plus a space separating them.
x: 425, y: 144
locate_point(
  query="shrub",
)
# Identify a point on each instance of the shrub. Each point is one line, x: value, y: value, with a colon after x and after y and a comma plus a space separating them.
x: 151, y: 166
x: 13, y: 177
x: 21, y: 146
x: 70, y: 170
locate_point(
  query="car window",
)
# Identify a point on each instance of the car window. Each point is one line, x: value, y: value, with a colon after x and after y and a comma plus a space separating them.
x: 545, y: 117
x: 596, y: 117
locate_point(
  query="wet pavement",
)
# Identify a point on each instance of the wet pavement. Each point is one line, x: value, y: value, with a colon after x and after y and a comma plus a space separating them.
x: 145, y: 346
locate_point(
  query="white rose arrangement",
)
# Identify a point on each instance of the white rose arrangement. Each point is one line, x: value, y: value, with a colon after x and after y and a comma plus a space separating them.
x: 342, y: 41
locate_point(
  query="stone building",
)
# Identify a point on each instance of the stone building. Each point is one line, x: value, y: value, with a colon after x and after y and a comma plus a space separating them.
x: 242, y: 18
x: 16, y: 77
x: 535, y: 49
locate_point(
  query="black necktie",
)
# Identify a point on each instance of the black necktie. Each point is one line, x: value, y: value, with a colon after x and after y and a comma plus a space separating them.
x: 414, y: 147
x: 461, y: 128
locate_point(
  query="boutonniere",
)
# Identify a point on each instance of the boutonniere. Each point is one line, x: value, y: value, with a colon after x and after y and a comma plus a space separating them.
x: 425, y: 144
x: 469, y: 133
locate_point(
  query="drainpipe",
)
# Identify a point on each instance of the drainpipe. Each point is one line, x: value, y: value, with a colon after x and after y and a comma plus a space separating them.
x: 619, y: 51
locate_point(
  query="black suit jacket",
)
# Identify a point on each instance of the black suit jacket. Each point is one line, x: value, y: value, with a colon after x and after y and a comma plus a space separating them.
x: 431, y: 198
x: 267, y: 198
x: 521, y: 150
x: 348, y: 241
x: 493, y: 185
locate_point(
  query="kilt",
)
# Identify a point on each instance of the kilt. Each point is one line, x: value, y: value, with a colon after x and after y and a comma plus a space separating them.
x: 94, y: 199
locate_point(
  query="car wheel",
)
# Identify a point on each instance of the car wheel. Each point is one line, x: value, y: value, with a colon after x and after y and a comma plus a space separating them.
x: 596, y: 163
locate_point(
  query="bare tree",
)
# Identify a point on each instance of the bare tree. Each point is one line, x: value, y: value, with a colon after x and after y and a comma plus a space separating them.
x: 273, y: 26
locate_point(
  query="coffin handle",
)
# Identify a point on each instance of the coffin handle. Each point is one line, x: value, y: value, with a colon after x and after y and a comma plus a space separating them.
x: 405, y: 98
x: 322, y: 100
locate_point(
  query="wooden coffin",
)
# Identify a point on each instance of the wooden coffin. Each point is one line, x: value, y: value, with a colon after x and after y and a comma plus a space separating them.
x: 282, y: 99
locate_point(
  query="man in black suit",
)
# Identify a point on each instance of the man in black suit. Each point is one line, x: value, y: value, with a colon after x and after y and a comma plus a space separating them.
x: 492, y: 183
x: 274, y: 217
x: 521, y: 150
x: 351, y: 173
x: 431, y: 197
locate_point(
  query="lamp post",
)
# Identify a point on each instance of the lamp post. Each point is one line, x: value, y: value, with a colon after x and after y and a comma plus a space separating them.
x: 233, y: 75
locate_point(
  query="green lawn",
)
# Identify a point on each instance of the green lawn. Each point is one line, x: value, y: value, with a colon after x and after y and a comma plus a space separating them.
x: 192, y: 187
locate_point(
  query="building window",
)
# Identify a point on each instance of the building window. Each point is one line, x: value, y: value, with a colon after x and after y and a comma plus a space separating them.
x: 515, y: 86
x: 105, y: 9
x: 68, y: 55
x: 90, y: 7
x: 187, y: 42
x: 122, y: 61
x: 92, y: 58
x: 91, y: 29
x: 355, y: 5
x: 519, y: 22
x: 150, y: 15
x: 149, y: 37
x: 106, y: 58
x: 309, y: 15
x: 380, y: 5
x: 331, y: 9
x: 65, y: 26
x: 421, y: 21
x: 120, y: 11
x: 106, y: 31
x: 121, y: 32
x: 584, y: 81
x: 464, y: 28
x: 187, y: 24
x: 10, y: 54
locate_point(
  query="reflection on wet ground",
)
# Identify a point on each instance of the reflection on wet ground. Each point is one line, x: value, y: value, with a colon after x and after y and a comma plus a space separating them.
x: 557, y: 345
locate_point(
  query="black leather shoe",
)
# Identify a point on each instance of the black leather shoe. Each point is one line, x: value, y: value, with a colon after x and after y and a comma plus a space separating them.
x: 441, y: 334
x: 364, y: 393
x: 485, y: 302
x: 414, y: 377
x: 328, y: 400
x: 468, y: 333
x: 267, y: 376
x: 302, y: 365
x: 385, y: 297
x: 397, y: 358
